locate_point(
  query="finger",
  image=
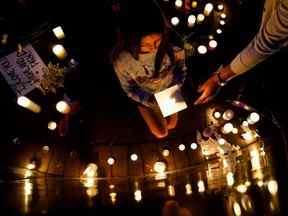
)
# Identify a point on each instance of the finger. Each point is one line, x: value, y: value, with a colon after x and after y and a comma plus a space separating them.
x: 200, y: 88
x: 201, y: 98
x: 207, y: 99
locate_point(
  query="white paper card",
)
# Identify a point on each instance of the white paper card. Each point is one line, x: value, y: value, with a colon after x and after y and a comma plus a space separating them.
x: 170, y: 100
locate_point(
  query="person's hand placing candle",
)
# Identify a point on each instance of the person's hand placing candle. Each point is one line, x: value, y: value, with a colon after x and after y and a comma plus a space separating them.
x: 209, y: 89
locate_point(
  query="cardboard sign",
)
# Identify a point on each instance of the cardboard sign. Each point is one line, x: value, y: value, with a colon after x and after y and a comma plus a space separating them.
x: 22, y: 70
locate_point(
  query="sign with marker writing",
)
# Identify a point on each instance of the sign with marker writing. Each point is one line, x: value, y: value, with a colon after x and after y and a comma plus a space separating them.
x: 22, y: 70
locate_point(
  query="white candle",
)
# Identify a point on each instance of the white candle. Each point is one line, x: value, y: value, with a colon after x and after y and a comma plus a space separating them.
x: 191, y: 20
x: 222, y: 22
x: 223, y: 16
x: 220, y: 7
x: 212, y: 44
x: 28, y: 104
x: 200, y: 18
x: 208, y: 9
x: 202, y: 49
x: 194, y: 4
x: 58, y: 32
x: 219, y: 31
x: 175, y: 21
x: 63, y: 107
x: 52, y: 125
x: 178, y: 3
x: 59, y: 51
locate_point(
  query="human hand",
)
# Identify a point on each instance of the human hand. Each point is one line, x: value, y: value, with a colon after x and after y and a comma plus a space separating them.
x: 207, y: 90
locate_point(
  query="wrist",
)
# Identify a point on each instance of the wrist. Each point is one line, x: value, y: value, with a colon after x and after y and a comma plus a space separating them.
x: 226, y: 73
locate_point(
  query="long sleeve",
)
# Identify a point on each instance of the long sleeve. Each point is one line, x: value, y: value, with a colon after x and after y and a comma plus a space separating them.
x: 180, y: 71
x: 130, y: 86
x: 272, y: 36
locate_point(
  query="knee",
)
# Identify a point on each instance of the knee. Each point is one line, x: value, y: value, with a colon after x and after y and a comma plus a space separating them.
x: 160, y: 133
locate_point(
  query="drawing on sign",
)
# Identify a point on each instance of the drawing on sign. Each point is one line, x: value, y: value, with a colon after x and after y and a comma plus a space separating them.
x: 22, y: 70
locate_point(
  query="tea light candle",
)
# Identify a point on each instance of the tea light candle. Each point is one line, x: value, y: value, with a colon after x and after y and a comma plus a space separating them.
x: 52, y: 125
x: 28, y: 104
x: 191, y: 20
x: 208, y: 9
x: 219, y: 31
x: 223, y: 16
x: 194, y: 4
x: 59, y: 51
x: 58, y: 32
x: 175, y: 21
x: 63, y: 107
x: 200, y: 18
x: 178, y: 3
x: 202, y: 49
x: 220, y: 7
x: 213, y: 44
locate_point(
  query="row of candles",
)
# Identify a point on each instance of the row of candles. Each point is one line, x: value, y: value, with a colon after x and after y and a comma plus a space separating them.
x: 192, y: 19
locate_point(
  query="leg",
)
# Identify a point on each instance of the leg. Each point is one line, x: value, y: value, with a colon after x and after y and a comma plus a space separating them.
x: 155, y: 121
x: 172, y: 121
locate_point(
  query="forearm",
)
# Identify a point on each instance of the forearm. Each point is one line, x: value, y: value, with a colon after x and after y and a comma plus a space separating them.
x: 272, y: 36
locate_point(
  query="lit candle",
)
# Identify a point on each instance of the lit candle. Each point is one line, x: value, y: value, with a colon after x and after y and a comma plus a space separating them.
x: 138, y: 195
x: 237, y: 209
x: 217, y: 115
x: 212, y: 44
x: 171, y: 191
x: 181, y: 147
x: 221, y: 141
x: 63, y: 107
x: 28, y: 104
x: 208, y: 9
x: 242, y: 188
x: 59, y: 51
x: 4, y: 39
x: 230, y: 178
x: 223, y: 16
x: 219, y: 31
x: 52, y: 125
x: 193, y: 146
x: 220, y: 7
x: 134, y: 157
x: 222, y: 22
x: 200, y: 18
x: 227, y: 128
x: 111, y: 161
x: 159, y: 167
x: 253, y: 118
x: 178, y: 3
x: 188, y: 188
x: 175, y: 21
x: 58, y: 32
x: 228, y: 115
x: 194, y: 4
x: 191, y: 20
x: 202, y: 49
x: 165, y: 152
x: 201, y: 186
x: 273, y: 187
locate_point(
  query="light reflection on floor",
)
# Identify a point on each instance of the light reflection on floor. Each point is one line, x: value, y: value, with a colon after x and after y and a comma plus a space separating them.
x: 226, y: 173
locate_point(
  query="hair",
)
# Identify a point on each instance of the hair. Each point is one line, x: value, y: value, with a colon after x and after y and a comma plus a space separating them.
x: 146, y: 21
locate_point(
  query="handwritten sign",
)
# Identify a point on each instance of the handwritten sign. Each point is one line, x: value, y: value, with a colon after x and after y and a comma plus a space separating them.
x: 22, y: 70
